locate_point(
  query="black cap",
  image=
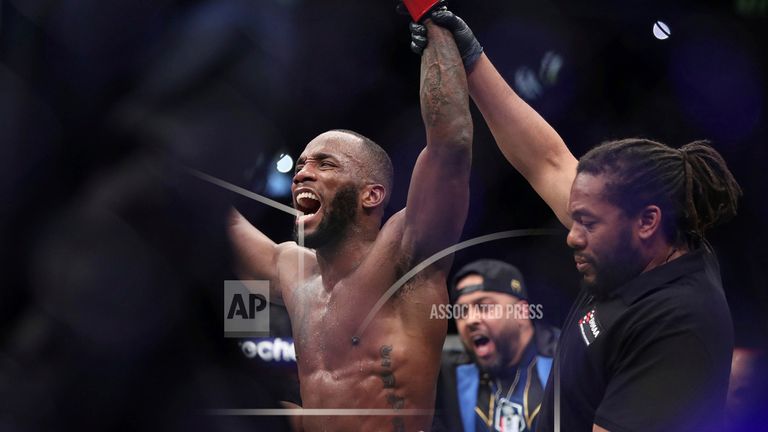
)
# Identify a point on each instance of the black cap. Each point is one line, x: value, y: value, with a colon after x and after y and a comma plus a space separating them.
x: 498, y: 276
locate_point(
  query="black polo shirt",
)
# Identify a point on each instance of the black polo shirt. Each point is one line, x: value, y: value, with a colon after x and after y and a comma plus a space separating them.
x: 654, y: 356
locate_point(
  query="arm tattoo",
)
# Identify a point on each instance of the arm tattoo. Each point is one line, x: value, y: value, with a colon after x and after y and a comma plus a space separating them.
x: 432, y: 94
x: 444, y: 94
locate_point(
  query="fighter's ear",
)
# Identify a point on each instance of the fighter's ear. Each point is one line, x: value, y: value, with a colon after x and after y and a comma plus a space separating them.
x: 373, y: 196
x: 648, y: 222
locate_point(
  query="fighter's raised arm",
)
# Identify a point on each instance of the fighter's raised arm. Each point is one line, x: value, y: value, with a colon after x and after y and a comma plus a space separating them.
x: 528, y: 142
x: 438, y: 197
x: 256, y: 255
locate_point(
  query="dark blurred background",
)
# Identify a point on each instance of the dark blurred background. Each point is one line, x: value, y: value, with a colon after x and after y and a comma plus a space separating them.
x: 113, y: 257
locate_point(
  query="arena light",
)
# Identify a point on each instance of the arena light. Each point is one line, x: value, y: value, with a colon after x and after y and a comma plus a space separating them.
x: 285, y: 163
x: 661, y: 30
x: 531, y: 85
x: 278, y: 184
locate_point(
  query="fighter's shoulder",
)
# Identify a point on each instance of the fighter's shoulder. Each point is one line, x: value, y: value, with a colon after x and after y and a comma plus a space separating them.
x: 291, y: 249
x: 291, y: 255
x: 390, y: 238
x: 394, y: 226
x: 394, y: 241
x: 396, y: 219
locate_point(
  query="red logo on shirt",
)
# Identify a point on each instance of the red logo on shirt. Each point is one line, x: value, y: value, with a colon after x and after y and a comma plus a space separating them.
x: 590, y: 327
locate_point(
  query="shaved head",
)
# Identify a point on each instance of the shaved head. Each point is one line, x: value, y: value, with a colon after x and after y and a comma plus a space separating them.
x: 377, y: 166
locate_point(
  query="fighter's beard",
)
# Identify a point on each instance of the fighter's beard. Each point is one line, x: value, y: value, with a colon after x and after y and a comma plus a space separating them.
x: 340, y: 214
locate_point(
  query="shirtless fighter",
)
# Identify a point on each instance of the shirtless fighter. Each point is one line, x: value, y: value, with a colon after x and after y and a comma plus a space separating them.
x: 342, y: 184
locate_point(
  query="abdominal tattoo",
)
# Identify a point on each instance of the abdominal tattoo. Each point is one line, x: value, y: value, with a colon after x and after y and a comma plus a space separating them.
x: 388, y: 378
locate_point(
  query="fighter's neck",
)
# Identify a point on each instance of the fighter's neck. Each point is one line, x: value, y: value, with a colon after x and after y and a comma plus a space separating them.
x: 339, y: 260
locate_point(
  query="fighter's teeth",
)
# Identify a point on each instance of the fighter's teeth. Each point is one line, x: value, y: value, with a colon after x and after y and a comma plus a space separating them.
x: 307, y: 195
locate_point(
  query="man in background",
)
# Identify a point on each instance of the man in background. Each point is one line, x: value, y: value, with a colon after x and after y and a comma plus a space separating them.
x: 497, y: 382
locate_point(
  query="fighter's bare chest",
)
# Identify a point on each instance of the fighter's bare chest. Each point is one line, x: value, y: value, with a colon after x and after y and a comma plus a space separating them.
x: 323, y: 319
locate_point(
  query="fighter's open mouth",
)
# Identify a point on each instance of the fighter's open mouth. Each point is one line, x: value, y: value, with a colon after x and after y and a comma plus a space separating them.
x: 307, y: 203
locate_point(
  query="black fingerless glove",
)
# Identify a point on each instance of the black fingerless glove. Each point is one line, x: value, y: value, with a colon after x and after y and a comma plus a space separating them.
x: 469, y: 48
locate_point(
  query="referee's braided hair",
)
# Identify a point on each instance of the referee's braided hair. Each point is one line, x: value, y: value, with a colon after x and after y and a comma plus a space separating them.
x: 692, y: 185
